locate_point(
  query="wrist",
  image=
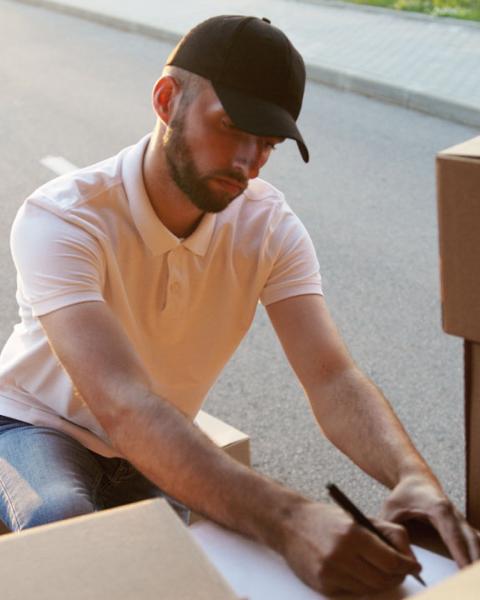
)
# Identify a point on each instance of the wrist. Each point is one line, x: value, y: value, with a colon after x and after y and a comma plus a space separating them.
x: 418, y: 473
x: 297, y: 518
x: 282, y: 519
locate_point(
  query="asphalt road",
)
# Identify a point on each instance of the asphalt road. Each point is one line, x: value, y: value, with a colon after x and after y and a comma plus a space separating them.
x: 81, y: 91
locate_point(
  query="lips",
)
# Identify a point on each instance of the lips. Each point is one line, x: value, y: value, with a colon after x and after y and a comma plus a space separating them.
x: 230, y: 185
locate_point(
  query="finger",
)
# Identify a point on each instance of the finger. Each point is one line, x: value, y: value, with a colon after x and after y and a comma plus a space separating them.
x: 366, y: 574
x: 376, y: 578
x: 472, y: 537
x: 347, y: 581
x: 398, y: 536
x: 387, y: 559
x: 475, y: 548
x: 454, y: 531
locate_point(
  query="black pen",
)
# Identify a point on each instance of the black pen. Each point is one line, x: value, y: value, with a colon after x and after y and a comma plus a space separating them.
x: 342, y: 500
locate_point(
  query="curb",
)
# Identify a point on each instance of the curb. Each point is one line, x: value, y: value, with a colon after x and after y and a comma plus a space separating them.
x: 344, y: 80
x: 412, y: 99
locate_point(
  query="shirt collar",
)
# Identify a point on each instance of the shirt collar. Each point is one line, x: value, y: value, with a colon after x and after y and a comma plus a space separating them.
x: 153, y: 232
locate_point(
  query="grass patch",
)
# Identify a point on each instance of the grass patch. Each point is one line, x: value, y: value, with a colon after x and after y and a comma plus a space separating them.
x: 457, y: 9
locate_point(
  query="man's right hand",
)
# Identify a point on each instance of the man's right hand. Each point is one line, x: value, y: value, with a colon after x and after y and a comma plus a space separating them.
x: 334, y: 555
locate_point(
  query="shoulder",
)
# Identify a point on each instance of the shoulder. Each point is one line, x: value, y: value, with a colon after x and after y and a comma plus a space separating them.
x: 261, y: 203
x: 88, y: 199
x: 260, y: 223
x: 76, y: 189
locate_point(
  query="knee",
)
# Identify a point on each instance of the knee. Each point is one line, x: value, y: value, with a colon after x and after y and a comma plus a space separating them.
x: 59, y: 504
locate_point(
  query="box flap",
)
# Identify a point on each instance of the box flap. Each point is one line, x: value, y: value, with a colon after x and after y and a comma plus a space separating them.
x: 140, y: 551
x: 222, y: 434
x: 469, y: 149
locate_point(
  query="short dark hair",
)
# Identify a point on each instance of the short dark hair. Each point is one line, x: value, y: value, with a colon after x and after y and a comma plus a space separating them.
x: 191, y: 84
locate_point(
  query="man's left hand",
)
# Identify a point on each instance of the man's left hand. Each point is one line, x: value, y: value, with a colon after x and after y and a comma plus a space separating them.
x: 420, y: 497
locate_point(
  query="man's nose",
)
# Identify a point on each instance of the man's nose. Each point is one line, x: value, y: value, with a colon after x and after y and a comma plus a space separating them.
x: 249, y: 157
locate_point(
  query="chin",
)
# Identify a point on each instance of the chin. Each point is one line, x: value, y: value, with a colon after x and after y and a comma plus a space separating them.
x: 215, y: 203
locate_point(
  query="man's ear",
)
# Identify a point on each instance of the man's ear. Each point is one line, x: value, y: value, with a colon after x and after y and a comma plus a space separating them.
x: 165, y: 96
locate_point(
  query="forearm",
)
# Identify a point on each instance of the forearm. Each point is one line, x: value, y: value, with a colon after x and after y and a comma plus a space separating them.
x: 110, y: 376
x: 181, y: 460
x: 357, y: 418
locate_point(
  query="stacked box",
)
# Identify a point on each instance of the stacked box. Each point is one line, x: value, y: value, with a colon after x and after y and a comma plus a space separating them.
x: 458, y: 193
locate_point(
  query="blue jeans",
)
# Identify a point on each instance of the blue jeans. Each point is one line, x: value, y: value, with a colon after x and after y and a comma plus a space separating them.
x: 45, y: 476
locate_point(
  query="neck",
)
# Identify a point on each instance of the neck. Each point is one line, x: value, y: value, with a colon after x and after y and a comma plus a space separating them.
x: 170, y: 204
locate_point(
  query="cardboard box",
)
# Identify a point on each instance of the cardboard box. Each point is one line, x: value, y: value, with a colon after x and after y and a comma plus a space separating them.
x: 465, y: 585
x: 140, y: 551
x: 233, y: 441
x: 458, y: 194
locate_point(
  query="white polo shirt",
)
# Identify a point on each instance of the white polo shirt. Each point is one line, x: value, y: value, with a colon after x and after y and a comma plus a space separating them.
x: 184, y: 304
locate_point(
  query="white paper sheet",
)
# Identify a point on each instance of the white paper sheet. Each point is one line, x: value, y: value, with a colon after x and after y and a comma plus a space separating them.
x: 258, y: 573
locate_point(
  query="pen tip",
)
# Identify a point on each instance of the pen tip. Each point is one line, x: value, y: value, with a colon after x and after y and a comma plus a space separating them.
x: 421, y: 580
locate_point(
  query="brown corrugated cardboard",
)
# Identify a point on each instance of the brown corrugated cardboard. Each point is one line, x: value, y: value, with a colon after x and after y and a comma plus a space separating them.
x: 463, y: 586
x: 140, y: 551
x: 458, y: 194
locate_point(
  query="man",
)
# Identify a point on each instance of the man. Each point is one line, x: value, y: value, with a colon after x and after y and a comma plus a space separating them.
x: 137, y: 279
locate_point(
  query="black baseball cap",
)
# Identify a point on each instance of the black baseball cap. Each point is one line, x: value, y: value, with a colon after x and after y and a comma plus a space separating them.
x: 257, y: 74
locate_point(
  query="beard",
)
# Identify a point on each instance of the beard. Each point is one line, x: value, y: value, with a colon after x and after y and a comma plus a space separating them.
x: 185, y: 174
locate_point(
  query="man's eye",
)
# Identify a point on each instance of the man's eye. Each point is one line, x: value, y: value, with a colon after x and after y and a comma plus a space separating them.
x: 269, y: 145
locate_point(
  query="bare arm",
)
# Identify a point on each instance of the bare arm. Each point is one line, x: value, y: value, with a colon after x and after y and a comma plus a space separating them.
x: 170, y: 451
x: 153, y: 435
x: 344, y: 401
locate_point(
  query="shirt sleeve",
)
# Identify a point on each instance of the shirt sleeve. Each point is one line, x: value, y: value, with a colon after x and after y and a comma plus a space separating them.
x: 58, y: 262
x: 295, y: 269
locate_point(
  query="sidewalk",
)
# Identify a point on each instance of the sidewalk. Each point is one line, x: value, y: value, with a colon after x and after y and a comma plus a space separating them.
x: 426, y: 64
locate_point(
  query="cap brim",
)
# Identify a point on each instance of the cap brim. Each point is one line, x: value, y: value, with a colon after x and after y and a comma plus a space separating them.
x: 259, y: 117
